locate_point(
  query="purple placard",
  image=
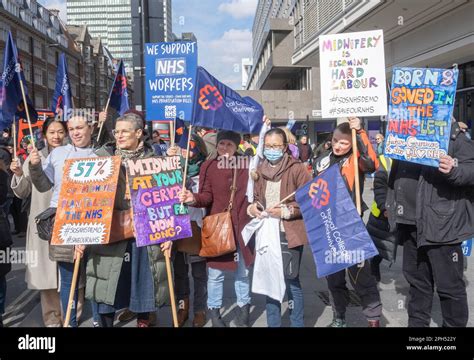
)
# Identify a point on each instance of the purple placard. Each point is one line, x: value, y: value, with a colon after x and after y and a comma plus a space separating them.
x: 157, y: 213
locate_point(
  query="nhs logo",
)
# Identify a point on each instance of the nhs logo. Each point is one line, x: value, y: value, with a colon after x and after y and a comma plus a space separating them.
x: 166, y: 67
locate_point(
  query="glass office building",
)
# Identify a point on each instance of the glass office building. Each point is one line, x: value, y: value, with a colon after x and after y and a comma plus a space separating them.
x: 109, y: 19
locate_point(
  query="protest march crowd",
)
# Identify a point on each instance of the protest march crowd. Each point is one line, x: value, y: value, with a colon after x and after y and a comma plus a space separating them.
x: 190, y: 214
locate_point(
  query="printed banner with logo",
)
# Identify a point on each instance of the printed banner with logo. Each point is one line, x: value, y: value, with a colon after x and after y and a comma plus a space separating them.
x: 336, y: 233
x: 170, y: 80
x: 86, y: 201
x: 119, y: 93
x: 353, y: 74
x: 157, y: 213
x: 419, y: 115
x: 11, y: 98
x: 219, y: 107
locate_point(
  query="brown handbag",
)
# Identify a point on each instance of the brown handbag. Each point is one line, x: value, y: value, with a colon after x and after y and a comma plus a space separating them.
x: 190, y: 245
x: 217, y: 234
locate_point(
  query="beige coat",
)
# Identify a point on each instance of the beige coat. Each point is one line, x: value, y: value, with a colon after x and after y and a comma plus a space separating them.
x: 41, y: 274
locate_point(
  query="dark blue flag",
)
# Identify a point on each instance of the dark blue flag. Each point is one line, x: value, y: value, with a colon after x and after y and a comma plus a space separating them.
x: 182, y: 136
x: 62, y: 98
x: 336, y: 233
x: 217, y: 106
x: 119, y: 93
x: 11, y: 99
x: 181, y: 133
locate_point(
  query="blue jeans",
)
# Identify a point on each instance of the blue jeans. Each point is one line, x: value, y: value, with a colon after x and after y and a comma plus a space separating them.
x: 295, y: 305
x: 66, y: 271
x: 215, y: 285
x: 3, y: 293
x: 95, y: 311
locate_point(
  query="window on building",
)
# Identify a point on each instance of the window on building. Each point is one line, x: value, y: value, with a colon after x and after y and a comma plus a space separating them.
x: 38, y: 75
x: 39, y: 100
x: 4, y: 29
x: 22, y: 41
x: 52, y: 82
x: 26, y: 69
x: 38, y: 49
x: 51, y: 57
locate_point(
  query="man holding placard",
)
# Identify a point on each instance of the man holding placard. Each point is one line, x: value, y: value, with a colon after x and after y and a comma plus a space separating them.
x: 432, y: 178
x: 50, y: 175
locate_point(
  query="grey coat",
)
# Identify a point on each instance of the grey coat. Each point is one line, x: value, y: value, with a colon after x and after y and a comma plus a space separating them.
x: 105, y: 261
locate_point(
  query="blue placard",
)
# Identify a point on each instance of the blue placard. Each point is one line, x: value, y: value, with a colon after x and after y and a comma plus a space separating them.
x: 336, y: 233
x: 170, y: 80
x: 466, y: 247
x: 419, y: 115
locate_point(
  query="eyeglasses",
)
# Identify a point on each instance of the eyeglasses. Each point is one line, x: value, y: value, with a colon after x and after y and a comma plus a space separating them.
x: 117, y: 133
x: 274, y: 147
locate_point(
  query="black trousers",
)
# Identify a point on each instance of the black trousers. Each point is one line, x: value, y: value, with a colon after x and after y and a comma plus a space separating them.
x: 430, y: 266
x: 365, y: 287
x: 181, y: 280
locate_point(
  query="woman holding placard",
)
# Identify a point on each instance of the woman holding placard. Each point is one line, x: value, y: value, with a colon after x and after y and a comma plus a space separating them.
x: 277, y: 177
x: 43, y: 274
x: 138, y: 274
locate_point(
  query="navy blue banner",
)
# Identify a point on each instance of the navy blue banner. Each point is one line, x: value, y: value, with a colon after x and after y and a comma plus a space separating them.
x: 11, y: 99
x: 217, y: 106
x: 62, y: 98
x: 119, y: 93
x: 336, y: 233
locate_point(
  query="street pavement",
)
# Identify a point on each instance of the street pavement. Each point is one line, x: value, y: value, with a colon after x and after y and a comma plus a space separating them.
x: 23, y: 308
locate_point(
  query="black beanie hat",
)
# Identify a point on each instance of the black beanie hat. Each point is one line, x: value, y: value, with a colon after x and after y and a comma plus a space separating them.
x: 229, y: 135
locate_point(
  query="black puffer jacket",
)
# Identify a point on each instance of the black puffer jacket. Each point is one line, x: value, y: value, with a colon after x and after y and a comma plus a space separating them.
x: 445, y: 203
x: 378, y: 227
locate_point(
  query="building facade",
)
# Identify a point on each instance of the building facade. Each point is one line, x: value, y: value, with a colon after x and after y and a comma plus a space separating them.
x: 286, y: 91
x: 108, y: 19
x: 434, y: 34
x: 246, y: 68
x: 40, y: 38
x: 416, y: 34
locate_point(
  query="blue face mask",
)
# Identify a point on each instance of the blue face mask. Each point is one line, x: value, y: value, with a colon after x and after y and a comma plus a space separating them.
x: 273, y: 155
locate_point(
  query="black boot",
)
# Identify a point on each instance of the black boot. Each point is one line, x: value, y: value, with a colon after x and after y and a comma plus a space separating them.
x: 242, y: 318
x: 216, y: 318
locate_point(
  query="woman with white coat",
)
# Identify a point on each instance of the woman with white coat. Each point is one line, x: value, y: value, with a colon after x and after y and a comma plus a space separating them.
x: 42, y: 273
